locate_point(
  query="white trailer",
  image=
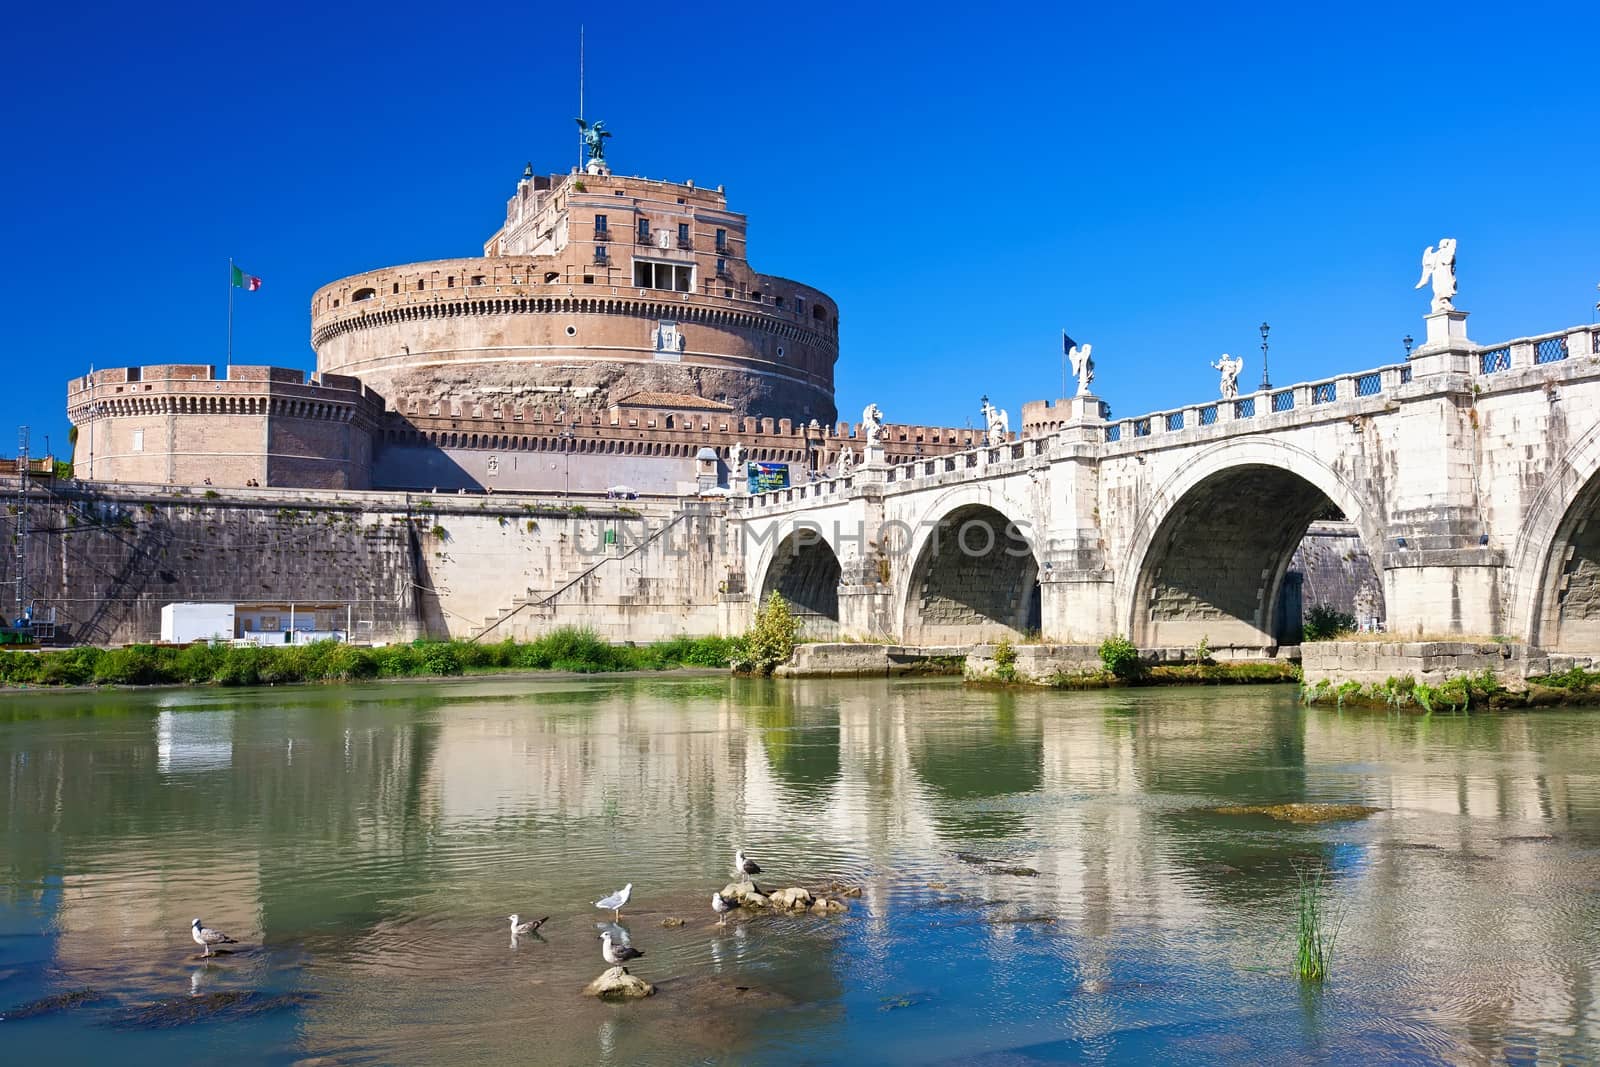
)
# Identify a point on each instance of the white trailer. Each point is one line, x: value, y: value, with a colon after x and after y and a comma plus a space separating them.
x: 183, y: 623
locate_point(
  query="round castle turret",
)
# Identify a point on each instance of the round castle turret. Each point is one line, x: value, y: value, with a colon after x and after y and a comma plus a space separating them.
x: 596, y: 288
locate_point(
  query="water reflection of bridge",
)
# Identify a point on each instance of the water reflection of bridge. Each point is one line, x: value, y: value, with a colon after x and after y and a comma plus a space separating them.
x: 1103, y: 794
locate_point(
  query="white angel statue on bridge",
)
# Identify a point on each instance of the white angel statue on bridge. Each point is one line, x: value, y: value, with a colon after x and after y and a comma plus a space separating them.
x: 1440, y: 265
x: 1230, y: 366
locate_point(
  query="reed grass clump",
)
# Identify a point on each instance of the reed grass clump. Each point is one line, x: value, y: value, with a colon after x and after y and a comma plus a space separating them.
x: 1315, y: 933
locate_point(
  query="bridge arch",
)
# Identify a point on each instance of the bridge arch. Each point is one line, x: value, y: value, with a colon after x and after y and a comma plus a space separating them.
x: 1555, y: 559
x: 972, y: 572
x: 1211, y: 547
x: 803, y: 568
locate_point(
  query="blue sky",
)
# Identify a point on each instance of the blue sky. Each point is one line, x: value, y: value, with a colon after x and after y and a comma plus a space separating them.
x: 966, y: 181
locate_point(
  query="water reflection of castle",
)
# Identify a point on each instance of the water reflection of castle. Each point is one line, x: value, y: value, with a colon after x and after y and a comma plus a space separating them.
x: 1105, y: 802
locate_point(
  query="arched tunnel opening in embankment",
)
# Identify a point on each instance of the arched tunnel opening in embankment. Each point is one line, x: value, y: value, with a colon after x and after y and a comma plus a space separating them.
x: 805, y: 572
x: 975, y: 579
x: 1232, y: 564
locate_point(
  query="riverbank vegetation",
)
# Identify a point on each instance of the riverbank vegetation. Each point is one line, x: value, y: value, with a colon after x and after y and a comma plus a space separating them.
x: 1466, y: 692
x: 770, y: 642
x: 1244, y: 672
x: 567, y: 649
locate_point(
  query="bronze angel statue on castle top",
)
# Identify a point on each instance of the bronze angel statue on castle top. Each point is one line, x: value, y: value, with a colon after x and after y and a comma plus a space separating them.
x: 594, y: 138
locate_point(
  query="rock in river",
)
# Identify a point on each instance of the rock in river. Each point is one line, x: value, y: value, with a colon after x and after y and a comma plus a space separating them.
x: 618, y: 984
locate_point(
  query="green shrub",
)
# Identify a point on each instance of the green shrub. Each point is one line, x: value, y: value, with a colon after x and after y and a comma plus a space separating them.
x: 19, y: 668
x: 134, y: 665
x: 1005, y: 661
x: 770, y: 641
x: 199, y: 664
x: 440, y: 659
x: 397, y: 661
x: 1120, y: 656
x: 1324, y: 623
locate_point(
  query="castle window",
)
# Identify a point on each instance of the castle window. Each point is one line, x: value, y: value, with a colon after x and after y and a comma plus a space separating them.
x: 722, y: 240
x: 817, y: 312
x: 683, y: 235
x: 336, y: 303
x: 799, y: 305
x: 450, y: 282
x: 778, y: 300
x: 722, y: 268
x: 396, y: 287
x: 588, y: 279
x: 755, y: 294
x: 728, y: 294
x: 673, y: 277
x: 644, y: 230
x: 600, y: 232
x: 363, y: 294
x: 477, y: 279
x: 551, y: 276
x: 419, y: 285
x: 138, y: 440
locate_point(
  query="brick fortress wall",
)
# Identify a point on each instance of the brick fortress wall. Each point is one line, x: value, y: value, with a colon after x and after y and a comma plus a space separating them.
x: 184, y: 424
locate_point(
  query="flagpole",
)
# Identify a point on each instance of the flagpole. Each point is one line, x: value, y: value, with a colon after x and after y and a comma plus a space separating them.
x: 1063, y: 363
x: 230, y: 312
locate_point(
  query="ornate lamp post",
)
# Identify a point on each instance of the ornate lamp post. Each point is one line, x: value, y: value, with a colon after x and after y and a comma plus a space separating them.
x: 1266, y: 383
x: 1408, y: 342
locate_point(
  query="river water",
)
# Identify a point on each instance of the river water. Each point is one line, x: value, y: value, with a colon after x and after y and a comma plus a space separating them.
x: 365, y: 845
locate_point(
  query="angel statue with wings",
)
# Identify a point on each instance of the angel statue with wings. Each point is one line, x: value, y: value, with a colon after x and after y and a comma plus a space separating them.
x: 1082, y: 366
x: 594, y: 138
x: 1440, y: 265
x: 871, y: 424
x: 1230, y: 366
x: 997, y: 424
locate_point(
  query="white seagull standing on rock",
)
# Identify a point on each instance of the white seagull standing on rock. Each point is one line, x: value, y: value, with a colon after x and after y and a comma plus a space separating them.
x: 721, y: 905
x: 615, y: 901
x: 518, y: 928
x: 617, y: 954
x: 743, y: 865
x: 206, y: 937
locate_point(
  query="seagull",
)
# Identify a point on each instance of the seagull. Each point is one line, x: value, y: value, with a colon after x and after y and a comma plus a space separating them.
x: 721, y: 905
x: 206, y: 938
x: 528, y: 927
x: 617, y: 954
x: 615, y: 901
x: 743, y: 865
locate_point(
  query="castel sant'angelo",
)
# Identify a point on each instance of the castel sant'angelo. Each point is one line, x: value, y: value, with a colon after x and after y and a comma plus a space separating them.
x: 613, y: 332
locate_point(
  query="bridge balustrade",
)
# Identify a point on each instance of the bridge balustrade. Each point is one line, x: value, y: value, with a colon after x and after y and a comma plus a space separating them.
x: 1245, y: 409
x: 1283, y: 401
x: 1495, y: 360
x: 1550, y: 350
x: 1174, y: 420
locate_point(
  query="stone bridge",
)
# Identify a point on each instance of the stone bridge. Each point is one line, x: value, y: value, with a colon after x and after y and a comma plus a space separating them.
x: 1469, y: 471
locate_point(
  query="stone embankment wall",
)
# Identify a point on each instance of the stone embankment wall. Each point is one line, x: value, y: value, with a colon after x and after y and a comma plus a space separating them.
x: 1431, y: 662
x: 405, y: 566
x: 1038, y: 663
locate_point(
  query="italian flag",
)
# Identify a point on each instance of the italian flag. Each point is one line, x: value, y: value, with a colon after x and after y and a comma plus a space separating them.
x: 248, y: 282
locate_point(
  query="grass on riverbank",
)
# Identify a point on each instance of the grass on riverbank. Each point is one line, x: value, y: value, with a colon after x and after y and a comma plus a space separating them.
x: 1466, y: 692
x: 1253, y: 672
x: 567, y: 649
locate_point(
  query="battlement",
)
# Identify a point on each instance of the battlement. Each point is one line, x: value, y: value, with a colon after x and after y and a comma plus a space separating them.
x: 196, y: 388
